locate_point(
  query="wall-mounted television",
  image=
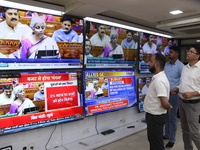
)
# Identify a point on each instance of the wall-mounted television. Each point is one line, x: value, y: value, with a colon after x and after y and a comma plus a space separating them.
x: 109, y: 46
x: 109, y: 90
x: 151, y: 44
x: 143, y: 86
x: 36, y: 99
x: 34, y: 40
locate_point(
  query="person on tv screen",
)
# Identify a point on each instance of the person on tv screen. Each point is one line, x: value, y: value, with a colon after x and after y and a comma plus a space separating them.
x: 96, y: 91
x: 146, y: 87
x: 113, y: 48
x: 159, y: 48
x: 7, y: 97
x: 88, y: 48
x: 100, y: 38
x: 38, y: 41
x: 39, y: 95
x: 11, y: 28
x: 105, y: 84
x: 149, y: 47
x: 20, y: 102
x: 129, y: 42
x: 66, y: 33
x: 167, y: 48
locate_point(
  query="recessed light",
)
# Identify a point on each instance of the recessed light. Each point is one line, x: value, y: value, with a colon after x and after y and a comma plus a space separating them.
x: 175, y: 12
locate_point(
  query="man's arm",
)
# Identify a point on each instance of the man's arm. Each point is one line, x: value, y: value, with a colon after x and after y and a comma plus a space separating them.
x: 164, y: 103
x: 187, y: 95
x: 174, y: 91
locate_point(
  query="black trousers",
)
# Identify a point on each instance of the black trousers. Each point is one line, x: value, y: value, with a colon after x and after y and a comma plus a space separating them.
x: 155, y: 124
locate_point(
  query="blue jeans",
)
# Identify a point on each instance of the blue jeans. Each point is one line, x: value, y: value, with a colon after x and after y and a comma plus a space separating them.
x: 171, y: 123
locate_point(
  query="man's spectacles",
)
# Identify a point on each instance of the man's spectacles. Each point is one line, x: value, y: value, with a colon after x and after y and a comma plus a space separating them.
x: 190, y: 52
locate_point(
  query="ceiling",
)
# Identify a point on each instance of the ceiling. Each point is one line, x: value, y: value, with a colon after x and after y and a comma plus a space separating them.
x: 147, y: 14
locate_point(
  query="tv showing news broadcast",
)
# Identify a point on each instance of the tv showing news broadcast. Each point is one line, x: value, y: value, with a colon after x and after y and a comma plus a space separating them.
x: 33, y: 40
x: 152, y: 44
x: 107, y: 91
x: 36, y: 99
x: 109, y: 47
x: 143, y: 86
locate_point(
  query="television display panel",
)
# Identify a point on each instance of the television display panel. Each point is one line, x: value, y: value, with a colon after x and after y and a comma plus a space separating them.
x: 152, y: 44
x: 143, y: 86
x: 110, y: 47
x: 36, y: 99
x: 107, y: 91
x: 34, y: 40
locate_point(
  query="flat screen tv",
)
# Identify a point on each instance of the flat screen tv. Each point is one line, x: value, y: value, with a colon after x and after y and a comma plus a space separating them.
x: 36, y: 99
x: 109, y: 46
x: 109, y: 90
x: 35, y: 40
x: 143, y: 86
x: 152, y: 44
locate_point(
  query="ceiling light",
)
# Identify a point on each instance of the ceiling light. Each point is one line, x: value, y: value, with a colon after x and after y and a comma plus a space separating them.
x: 176, y: 12
x: 5, y: 3
x: 125, y: 27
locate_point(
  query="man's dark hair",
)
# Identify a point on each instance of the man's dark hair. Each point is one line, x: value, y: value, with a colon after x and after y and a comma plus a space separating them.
x: 7, y: 86
x: 99, y: 24
x: 6, y: 8
x: 129, y: 31
x: 161, y: 59
x: 176, y: 49
x: 66, y: 18
x: 197, y: 49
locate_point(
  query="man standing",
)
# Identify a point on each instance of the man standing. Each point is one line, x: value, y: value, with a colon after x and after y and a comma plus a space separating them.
x: 11, y: 28
x: 7, y: 97
x: 189, y: 104
x: 66, y: 33
x: 39, y: 95
x: 173, y: 69
x: 156, y: 102
x: 100, y: 38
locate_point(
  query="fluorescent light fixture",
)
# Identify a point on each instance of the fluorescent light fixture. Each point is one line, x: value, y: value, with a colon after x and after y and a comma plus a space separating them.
x: 176, y: 12
x: 5, y: 3
x: 125, y: 27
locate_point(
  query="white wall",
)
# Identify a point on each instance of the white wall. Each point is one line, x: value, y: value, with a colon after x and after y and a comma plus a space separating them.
x: 78, y: 135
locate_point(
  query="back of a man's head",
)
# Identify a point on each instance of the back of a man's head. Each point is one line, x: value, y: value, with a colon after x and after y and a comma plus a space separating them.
x: 160, y: 59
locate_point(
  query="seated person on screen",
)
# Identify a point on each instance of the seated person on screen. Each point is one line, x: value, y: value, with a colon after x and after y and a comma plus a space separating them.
x: 146, y: 87
x: 38, y: 41
x: 66, y: 33
x: 159, y: 48
x: 105, y: 84
x: 7, y: 97
x: 39, y: 95
x: 88, y: 48
x: 20, y: 102
x: 89, y: 85
x: 95, y: 91
x: 149, y: 47
x: 100, y: 38
x: 113, y: 48
x: 129, y: 42
x: 167, y: 48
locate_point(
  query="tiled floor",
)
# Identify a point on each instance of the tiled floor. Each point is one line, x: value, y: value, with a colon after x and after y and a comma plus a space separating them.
x: 139, y: 141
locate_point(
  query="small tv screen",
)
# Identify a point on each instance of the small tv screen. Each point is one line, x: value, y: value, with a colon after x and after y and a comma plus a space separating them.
x: 36, y: 99
x: 143, y: 86
x: 109, y: 90
x: 152, y: 44
x: 34, y: 40
x: 109, y: 46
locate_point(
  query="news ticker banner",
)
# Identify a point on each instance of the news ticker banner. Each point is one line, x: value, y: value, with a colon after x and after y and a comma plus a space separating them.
x: 39, y: 118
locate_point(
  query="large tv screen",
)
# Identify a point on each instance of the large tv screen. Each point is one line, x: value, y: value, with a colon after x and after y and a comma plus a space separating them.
x: 35, y: 99
x: 152, y: 44
x: 110, y: 47
x: 33, y: 40
x: 107, y: 91
x: 143, y: 86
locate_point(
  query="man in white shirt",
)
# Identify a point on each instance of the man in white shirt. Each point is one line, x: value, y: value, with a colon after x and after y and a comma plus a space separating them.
x: 156, y: 102
x: 100, y: 38
x: 189, y: 103
x: 149, y: 47
x: 11, y: 28
x: 7, y: 97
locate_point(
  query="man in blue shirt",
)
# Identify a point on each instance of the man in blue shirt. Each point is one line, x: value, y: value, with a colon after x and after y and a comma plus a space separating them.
x: 105, y: 84
x: 173, y: 69
x: 66, y: 33
x: 39, y: 95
